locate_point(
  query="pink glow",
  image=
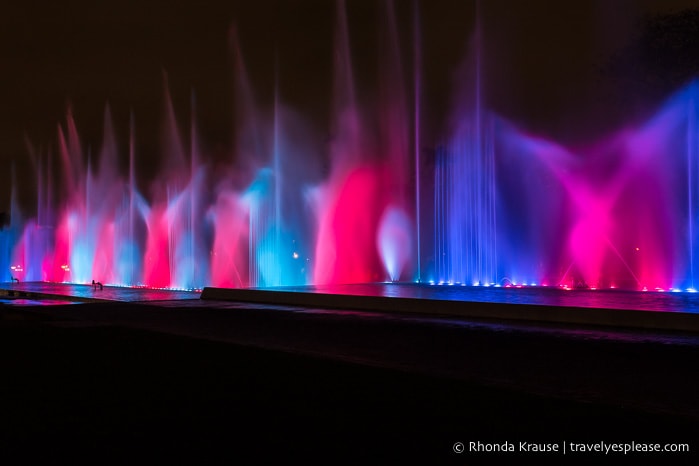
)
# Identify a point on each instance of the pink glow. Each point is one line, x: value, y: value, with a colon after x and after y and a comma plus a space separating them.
x: 228, y: 266
x: 157, y: 262
x: 61, y: 253
x: 346, y: 245
x: 104, y: 262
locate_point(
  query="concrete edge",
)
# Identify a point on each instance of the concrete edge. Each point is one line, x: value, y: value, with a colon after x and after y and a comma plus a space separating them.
x: 620, y: 318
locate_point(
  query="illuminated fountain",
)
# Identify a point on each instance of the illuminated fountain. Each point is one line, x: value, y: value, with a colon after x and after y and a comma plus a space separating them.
x: 9, y: 234
x: 465, y: 235
x: 617, y: 213
x: 366, y: 194
x: 512, y: 209
x: 503, y: 207
x: 269, y: 220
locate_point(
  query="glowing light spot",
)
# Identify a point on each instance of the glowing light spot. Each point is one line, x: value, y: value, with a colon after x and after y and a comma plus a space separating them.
x: 393, y: 240
x: 295, y: 255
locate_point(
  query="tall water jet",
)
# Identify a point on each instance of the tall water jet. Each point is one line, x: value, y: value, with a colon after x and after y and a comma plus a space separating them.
x: 692, y: 180
x: 343, y: 202
x: 10, y: 236
x: 394, y: 225
x: 465, y: 192
x: 417, y: 144
x: 129, y: 258
x: 274, y: 204
x: 368, y: 174
x: 175, y: 254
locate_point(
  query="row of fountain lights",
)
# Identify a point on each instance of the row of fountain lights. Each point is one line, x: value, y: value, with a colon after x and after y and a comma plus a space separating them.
x: 66, y: 268
x: 562, y: 286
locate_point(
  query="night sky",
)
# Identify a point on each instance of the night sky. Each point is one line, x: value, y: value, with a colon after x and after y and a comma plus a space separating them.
x: 542, y: 64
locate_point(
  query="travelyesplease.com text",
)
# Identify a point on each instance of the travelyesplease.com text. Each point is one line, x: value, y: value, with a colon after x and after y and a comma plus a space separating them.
x: 569, y: 447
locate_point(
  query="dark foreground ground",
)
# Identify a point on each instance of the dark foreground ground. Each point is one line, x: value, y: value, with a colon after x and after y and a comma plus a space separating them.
x: 104, y: 391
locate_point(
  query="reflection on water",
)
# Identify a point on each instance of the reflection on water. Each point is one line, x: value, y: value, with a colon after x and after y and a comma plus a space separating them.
x: 107, y: 293
x: 34, y: 302
x: 548, y: 296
